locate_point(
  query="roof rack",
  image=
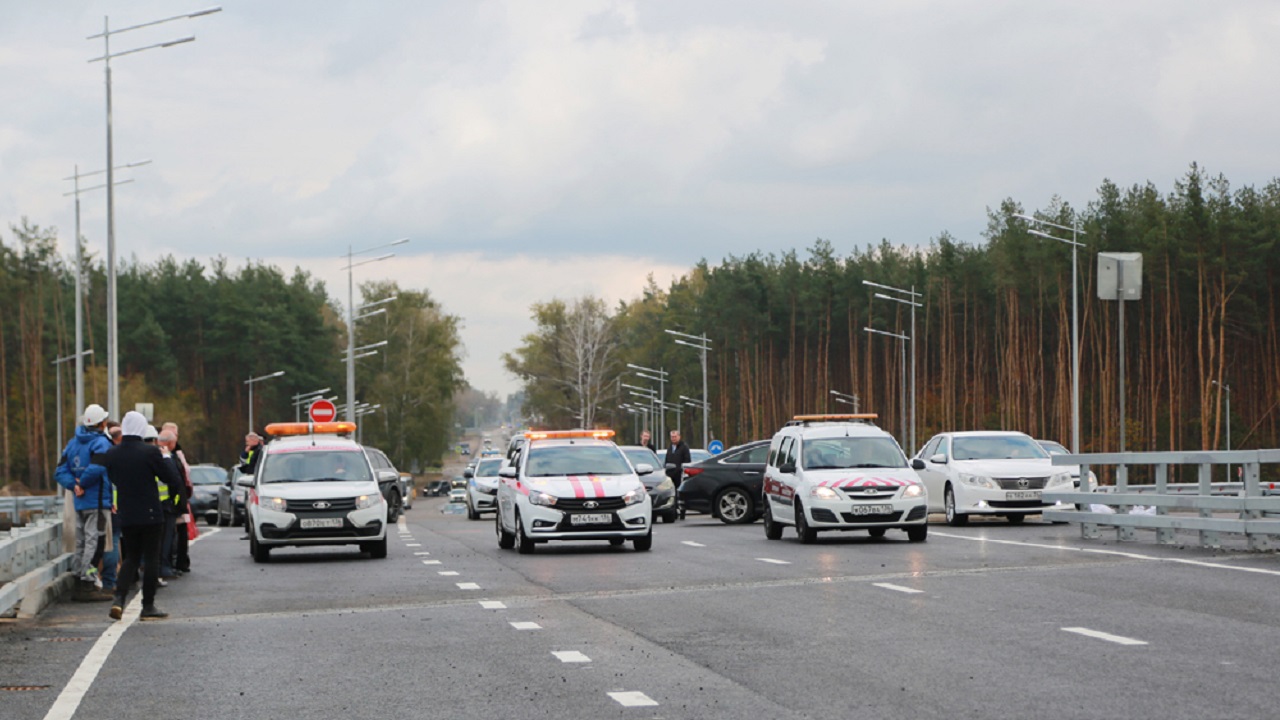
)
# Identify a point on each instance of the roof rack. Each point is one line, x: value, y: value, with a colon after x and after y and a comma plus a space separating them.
x: 861, y: 418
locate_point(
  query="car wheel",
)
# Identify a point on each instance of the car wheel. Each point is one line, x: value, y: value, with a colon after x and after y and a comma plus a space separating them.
x: 669, y: 516
x: 261, y: 553
x: 734, y: 506
x: 506, y: 540
x: 1016, y: 518
x: 393, y: 508
x: 876, y: 532
x: 643, y: 544
x: 377, y: 549
x: 471, y: 512
x: 223, y: 520
x: 918, y: 533
x: 615, y: 542
x: 807, y: 534
x: 772, y: 530
x: 524, y: 543
x: 954, y: 517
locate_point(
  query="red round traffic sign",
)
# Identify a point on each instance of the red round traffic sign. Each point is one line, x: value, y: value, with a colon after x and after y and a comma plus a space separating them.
x: 322, y: 411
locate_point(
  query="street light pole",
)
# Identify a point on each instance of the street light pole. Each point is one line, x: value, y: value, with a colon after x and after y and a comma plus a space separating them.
x: 113, y: 361
x: 846, y: 399
x: 902, y: 344
x: 911, y: 296
x: 1075, y: 315
x: 250, y: 383
x: 57, y: 371
x: 701, y: 343
x: 661, y: 376
x: 1227, y: 388
x: 351, y: 316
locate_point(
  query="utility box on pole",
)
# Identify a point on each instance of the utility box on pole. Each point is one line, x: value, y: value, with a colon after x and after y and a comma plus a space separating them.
x: 1120, y: 276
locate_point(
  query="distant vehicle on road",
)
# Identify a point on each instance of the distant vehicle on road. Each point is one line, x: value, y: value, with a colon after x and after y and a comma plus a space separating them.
x: 728, y: 486
x: 482, y: 487
x: 1057, y: 448
x: 205, y: 481
x: 987, y: 473
x: 436, y: 488
x: 231, y: 499
x: 662, y: 492
x: 389, y: 481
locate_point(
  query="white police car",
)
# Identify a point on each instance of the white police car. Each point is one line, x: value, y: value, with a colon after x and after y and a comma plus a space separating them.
x: 840, y: 472
x: 315, y: 487
x: 572, y: 485
x: 482, y: 486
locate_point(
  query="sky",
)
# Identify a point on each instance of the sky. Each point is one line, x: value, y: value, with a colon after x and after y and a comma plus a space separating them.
x: 535, y: 150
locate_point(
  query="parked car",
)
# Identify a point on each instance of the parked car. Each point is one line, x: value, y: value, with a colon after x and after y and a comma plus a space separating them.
x: 231, y: 499
x: 205, y: 482
x: 662, y: 492
x: 727, y: 486
x: 1057, y: 448
x: 987, y: 473
x: 389, y: 482
x: 408, y: 489
x: 482, y: 487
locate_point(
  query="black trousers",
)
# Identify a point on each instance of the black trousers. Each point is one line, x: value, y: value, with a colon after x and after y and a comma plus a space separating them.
x: 139, y: 545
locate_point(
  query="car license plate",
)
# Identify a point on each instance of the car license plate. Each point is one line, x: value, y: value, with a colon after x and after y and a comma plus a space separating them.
x: 871, y: 510
x: 592, y: 519
x: 1023, y: 495
x: 312, y: 523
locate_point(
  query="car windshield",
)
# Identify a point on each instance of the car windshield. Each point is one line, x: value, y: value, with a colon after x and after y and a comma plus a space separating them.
x: 488, y: 467
x: 576, y: 460
x: 208, y: 476
x: 316, y: 466
x: 996, y: 447
x: 852, y: 452
x: 1053, y: 448
x: 642, y: 455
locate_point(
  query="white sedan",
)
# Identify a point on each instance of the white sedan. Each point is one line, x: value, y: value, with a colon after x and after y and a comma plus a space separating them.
x: 987, y: 473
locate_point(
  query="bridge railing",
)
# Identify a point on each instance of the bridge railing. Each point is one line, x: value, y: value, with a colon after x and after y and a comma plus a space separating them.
x: 1250, y: 508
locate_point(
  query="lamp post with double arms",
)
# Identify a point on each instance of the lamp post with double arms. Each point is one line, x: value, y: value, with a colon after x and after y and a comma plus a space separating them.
x: 351, y: 316
x: 903, y: 389
x: 702, y: 344
x: 58, y: 391
x: 910, y: 299
x: 250, y: 382
x: 113, y: 345
x: 660, y: 376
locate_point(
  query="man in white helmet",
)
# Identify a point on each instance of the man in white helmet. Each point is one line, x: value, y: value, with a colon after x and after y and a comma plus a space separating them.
x: 77, y: 473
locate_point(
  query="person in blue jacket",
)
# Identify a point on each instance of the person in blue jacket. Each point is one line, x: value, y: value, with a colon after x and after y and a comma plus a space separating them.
x: 93, y: 497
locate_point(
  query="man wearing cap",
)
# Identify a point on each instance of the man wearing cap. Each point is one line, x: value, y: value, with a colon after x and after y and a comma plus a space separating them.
x: 78, y: 474
x: 136, y: 467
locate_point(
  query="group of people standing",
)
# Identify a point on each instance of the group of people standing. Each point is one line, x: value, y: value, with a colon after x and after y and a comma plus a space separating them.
x: 132, y: 487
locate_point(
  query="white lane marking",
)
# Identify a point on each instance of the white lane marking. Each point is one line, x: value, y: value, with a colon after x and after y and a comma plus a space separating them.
x: 1118, y: 639
x: 691, y: 543
x: 773, y: 562
x: 570, y: 656
x: 64, y: 708
x: 448, y: 573
x: 413, y: 544
x: 899, y: 588
x: 493, y: 605
x: 468, y: 586
x: 422, y: 552
x: 430, y: 562
x: 526, y: 626
x: 633, y: 699
x: 1117, y: 553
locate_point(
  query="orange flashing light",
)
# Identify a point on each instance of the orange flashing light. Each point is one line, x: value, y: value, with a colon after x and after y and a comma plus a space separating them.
x: 835, y: 418
x: 306, y: 428
x: 566, y: 434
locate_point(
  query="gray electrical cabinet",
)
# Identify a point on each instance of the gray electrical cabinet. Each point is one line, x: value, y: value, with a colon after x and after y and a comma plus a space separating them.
x: 1119, y: 276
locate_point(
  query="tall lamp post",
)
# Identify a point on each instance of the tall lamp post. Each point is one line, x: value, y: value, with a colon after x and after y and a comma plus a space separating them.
x: 702, y: 344
x: 1075, y: 315
x: 1227, y: 389
x: 305, y: 398
x: 910, y: 299
x: 78, y: 358
x: 903, y: 390
x: 351, y: 316
x: 660, y: 376
x: 250, y: 382
x: 113, y: 361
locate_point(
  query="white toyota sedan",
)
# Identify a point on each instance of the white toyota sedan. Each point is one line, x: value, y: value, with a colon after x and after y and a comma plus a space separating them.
x: 987, y: 473
x: 572, y: 485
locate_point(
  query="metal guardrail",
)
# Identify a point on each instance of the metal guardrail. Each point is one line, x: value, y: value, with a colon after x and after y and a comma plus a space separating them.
x: 46, y: 505
x: 30, y: 557
x: 1254, y: 505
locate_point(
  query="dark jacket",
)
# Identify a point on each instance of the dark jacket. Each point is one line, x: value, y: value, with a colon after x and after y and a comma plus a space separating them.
x: 677, y: 455
x: 77, y: 463
x: 134, y: 467
x: 249, y: 459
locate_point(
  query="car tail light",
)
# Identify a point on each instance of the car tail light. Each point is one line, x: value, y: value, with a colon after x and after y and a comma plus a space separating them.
x: 691, y: 471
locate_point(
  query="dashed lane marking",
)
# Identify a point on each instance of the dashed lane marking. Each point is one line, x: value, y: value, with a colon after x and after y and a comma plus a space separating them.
x: 448, y: 573
x: 493, y: 605
x: 422, y: 552
x: 691, y: 543
x: 773, y: 562
x: 468, y: 586
x: 1117, y: 639
x: 899, y: 588
x: 633, y: 699
x: 571, y: 656
x: 430, y: 562
x: 526, y: 626
x: 413, y: 544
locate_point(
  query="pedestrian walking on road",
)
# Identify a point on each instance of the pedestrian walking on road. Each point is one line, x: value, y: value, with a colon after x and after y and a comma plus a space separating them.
x: 136, y: 468
x: 78, y: 474
x: 677, y: 457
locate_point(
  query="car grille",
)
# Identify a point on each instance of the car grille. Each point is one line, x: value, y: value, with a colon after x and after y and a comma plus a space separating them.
x: 602, y: 504
x: 1033, y: 483
x: 1016, y: 504
x: 335, y: 504
x: 566, y: 526
x: 862, y: 519
x: 860, y: 492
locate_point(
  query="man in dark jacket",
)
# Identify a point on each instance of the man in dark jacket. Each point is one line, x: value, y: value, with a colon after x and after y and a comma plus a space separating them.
x: 135, y: 468
x: 677, y: 457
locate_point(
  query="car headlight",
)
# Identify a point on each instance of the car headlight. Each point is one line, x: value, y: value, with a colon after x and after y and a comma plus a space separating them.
x: 823, y: 492
x: 980, y: 481
x: 665, y: 486
x: 636, y: 495
x: 1059, y: 479
x: 367, y: 501
x: 541, y: 498
x: 913, y: 491
x: 487, y: 490
x: 1093, y: 481
x: 272, y: 503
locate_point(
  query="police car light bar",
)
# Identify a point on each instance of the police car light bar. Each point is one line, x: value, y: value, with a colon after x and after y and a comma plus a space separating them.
x: 836, y: 418
x: 307, y: 428
x: 565, y: 434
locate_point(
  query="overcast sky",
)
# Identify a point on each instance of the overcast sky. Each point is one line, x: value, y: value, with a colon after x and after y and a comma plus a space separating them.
x: 546, y: 149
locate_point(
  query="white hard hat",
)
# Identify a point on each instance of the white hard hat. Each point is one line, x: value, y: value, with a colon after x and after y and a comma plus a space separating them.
x: 94, y: 414
x: 151, y: 433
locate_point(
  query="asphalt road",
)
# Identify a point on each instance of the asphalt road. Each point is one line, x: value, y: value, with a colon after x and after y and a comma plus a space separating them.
x: 986, y: 621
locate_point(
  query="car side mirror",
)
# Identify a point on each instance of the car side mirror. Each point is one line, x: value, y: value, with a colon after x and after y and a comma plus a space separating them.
x: 787, y: 469
x: 245, y: 481
x: 917, y: 464
x: 507, y: 472
x: 644, y: 469
x: 939, y: 459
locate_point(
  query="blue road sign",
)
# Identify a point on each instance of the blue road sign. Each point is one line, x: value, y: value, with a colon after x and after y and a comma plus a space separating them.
x: 716, y: 447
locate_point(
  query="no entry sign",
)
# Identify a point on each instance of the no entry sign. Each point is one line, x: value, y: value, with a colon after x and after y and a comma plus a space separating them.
x: 322, y: 411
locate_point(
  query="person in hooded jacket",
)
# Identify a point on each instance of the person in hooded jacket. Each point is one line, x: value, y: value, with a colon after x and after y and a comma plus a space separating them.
x: 136, y: 467
x: 78, y: 474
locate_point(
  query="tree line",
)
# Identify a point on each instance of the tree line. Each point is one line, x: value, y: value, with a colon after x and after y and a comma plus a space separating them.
x: 993, y: 333
x: 190, y: 334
